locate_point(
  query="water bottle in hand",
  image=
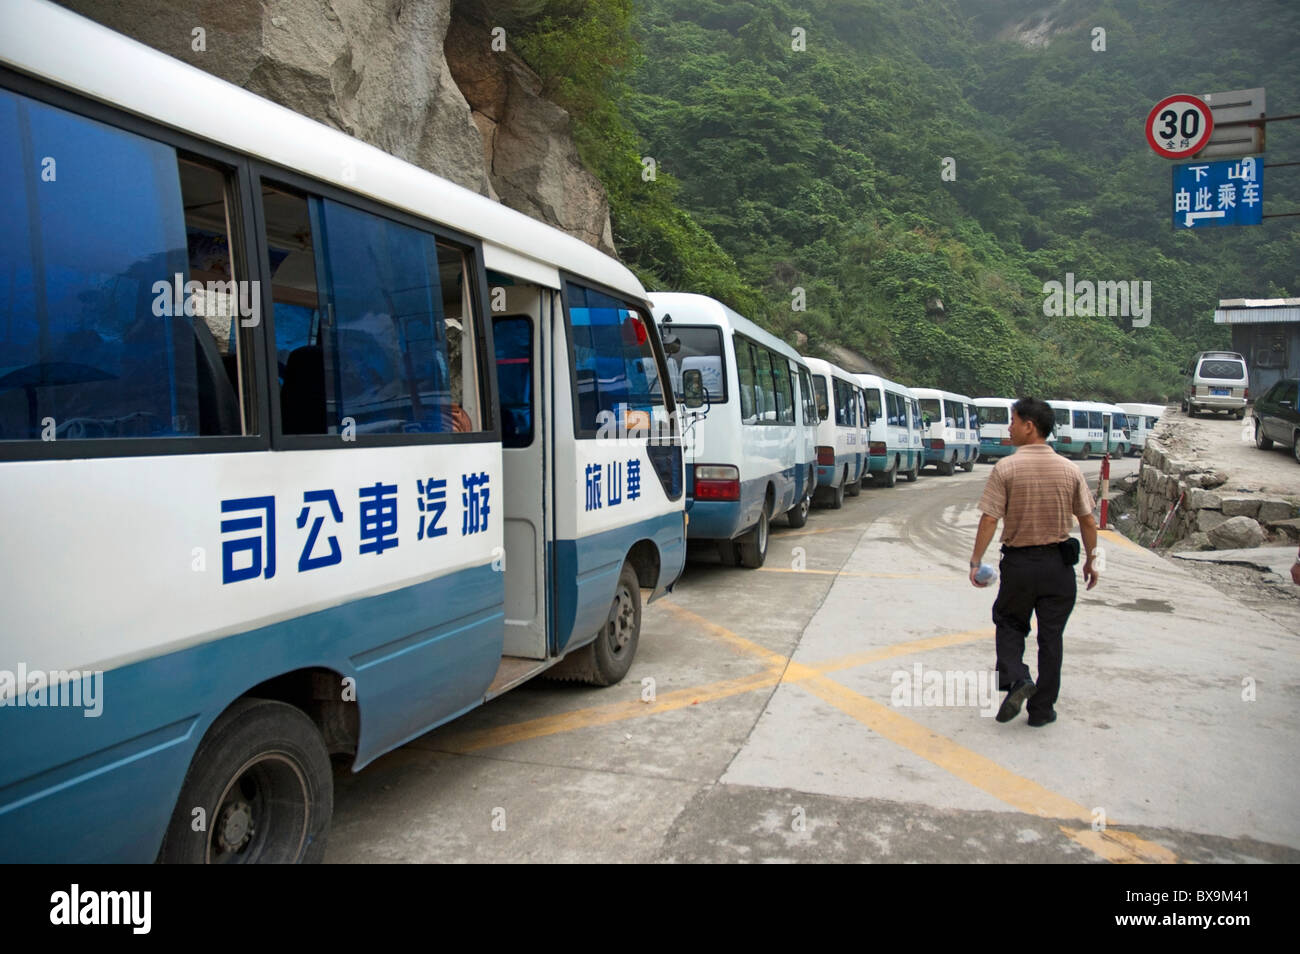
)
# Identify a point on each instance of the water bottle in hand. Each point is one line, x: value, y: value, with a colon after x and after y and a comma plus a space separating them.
x: 986, y: 573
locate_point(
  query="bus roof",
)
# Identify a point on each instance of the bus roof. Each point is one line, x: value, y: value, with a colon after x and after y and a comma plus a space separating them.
x: 875, y: 380
x: 687, y: 308
x: 1146, y: 410
x: 64, y: 48
x: 822, y: 366
x: 938, y: 393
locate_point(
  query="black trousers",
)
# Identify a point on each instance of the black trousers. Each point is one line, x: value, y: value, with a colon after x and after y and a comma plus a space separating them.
x: 1034, y: 582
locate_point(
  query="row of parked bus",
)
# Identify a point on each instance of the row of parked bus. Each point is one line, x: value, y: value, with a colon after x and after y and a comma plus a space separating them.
x: 770, y: 432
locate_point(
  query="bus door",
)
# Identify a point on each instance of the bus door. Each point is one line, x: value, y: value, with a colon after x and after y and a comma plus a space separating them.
x: 522, y: 372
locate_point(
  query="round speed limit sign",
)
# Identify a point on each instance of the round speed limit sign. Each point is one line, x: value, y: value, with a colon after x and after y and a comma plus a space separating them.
x: 1179, y: 126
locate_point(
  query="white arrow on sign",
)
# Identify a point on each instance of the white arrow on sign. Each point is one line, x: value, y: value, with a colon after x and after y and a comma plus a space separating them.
x: 1193, y: 216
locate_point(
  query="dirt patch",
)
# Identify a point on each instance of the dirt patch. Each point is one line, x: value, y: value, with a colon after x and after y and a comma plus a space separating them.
x: 1258, y: 589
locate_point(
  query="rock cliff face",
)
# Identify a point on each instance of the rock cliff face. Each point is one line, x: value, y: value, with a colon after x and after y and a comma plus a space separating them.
x: 378, y: 70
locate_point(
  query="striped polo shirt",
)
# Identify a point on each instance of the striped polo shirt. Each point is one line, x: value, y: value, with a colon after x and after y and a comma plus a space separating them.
x: 1037, y: 493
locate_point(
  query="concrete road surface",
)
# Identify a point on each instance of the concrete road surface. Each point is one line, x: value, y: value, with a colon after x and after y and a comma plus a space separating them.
x: 828, y: 707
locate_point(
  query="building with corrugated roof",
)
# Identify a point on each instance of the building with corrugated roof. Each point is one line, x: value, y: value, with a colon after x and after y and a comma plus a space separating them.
x: 1266, y: 331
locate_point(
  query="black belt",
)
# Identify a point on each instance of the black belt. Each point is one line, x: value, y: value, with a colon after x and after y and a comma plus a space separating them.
x: 1040, y: 546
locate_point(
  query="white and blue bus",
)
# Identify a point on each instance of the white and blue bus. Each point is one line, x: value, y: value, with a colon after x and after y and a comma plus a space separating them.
x: 1142, y: 420
x: 894, y: 440
x: 995, y: 426
x: 841, y: 434
x: 1080, y: 429
x: 748, y: 460
x: 951, y: 427
x: 1113, y: 416
x: 300, y: 456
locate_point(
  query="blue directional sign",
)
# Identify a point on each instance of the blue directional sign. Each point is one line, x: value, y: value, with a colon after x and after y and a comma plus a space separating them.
x: 1230, y: 192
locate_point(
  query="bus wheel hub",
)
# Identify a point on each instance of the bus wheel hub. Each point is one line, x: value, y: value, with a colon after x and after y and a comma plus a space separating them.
x: 235, y: 827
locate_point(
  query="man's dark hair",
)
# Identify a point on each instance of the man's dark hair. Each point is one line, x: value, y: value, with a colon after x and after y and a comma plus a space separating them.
x: 1040, y: 412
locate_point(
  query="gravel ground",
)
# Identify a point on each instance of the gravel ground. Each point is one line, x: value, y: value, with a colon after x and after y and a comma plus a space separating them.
x: 1229, y: 444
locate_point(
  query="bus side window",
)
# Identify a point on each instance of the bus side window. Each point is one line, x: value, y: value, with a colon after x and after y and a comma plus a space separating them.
x: 745, y: 372
x: 373, y: 322
x: 513, y: 338
x: 614, y: 362
x: 103, y: 333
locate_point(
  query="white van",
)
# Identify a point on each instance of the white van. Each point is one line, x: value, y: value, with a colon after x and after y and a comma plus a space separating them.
x: 1217, y: 381
x: 893, y: 430
x: 748, y: 455
x: 841, y: 437
x: 950, y: 429
x: 1142, y: 421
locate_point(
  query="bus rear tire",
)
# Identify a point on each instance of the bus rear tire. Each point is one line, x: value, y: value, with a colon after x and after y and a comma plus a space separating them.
x: 752, y: 547
x: 263, y: 779
x: 797, y: 515
x: 945, y: 468
x: 968, y: 466
x: 889, y: 477
x: 913, y: 474
x: 837, y: 497
x: 854, y: 488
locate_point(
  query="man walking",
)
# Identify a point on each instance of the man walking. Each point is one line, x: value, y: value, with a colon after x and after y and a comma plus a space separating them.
x: 1037, y: 493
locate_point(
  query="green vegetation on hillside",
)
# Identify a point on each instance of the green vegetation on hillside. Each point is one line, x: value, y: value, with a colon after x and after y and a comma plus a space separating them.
x: 820, y: 168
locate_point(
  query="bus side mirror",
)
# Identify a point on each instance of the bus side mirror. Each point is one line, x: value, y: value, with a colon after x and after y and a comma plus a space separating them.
x: 693, y: 388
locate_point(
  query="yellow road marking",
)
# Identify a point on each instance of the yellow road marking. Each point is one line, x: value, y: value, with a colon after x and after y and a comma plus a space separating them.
x: 1116, y: 537
x: 1121, y: 847
x: 473, y: 741
x: 903, y: 649
x: 1020, y: 793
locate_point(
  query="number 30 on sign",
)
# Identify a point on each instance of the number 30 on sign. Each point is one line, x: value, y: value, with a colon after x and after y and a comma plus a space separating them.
x: 1179, y: 126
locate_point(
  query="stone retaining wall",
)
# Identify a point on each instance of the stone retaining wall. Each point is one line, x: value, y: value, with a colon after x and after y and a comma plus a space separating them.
x: 1209, y: 516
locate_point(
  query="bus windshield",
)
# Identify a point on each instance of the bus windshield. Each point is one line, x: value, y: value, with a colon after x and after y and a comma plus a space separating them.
x: 698, y: 349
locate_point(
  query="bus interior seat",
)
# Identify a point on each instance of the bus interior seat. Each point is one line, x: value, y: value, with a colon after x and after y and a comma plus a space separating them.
x: 218, y: 405
x: 302, y: 396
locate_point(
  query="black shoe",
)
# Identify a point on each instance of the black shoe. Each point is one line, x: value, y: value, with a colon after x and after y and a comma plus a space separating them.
x: 1016, y: 697
x: 1039, y: 720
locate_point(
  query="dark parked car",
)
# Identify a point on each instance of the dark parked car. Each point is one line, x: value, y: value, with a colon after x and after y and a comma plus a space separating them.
x: 1277, y: 417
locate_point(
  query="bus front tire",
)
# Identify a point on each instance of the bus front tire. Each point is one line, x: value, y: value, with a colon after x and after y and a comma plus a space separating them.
x: 607, y: 658
x: 615, y: 647
x: 260, y: 788
x: 752, y: 547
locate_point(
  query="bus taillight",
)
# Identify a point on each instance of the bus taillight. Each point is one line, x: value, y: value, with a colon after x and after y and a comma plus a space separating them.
x: 717, y: 482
